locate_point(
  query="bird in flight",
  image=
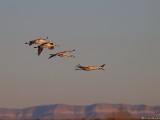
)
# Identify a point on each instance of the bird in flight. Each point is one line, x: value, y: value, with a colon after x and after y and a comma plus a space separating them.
x: 89, y: 68
x: 50, y: 45
x: 37, y: 41
x: 63, y: 54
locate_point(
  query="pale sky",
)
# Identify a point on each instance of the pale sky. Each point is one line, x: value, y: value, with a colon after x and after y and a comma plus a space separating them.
x: 123, y: 34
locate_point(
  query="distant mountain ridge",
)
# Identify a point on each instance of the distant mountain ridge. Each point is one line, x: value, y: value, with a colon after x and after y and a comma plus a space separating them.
x: 63, y: 111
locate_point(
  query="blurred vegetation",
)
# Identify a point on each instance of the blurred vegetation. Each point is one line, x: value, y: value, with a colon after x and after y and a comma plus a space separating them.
x: 122, y: 114
x: 81, y: 119
x: 84, y: 119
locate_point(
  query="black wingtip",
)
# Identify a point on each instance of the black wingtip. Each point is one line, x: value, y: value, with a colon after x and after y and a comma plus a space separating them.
x: 103, y: 65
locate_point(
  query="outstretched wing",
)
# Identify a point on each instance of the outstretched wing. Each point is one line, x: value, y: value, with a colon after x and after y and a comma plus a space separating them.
x: 40, y: 49
x: 52, y: 55
x: 31, y: 42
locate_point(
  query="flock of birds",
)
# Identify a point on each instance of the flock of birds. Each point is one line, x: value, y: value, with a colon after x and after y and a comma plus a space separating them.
x: 42, y: 43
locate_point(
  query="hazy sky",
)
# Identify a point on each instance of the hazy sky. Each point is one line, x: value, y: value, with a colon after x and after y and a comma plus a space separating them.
x: 123, y: 34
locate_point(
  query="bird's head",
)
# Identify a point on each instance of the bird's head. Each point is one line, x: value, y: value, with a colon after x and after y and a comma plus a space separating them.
x: 46, y: 38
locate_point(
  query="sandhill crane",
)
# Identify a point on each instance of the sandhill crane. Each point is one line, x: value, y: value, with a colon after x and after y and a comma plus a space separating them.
x: 63, y: 54
x: 89, y: 68
x: 50, y: 45
x: 37, y: 41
